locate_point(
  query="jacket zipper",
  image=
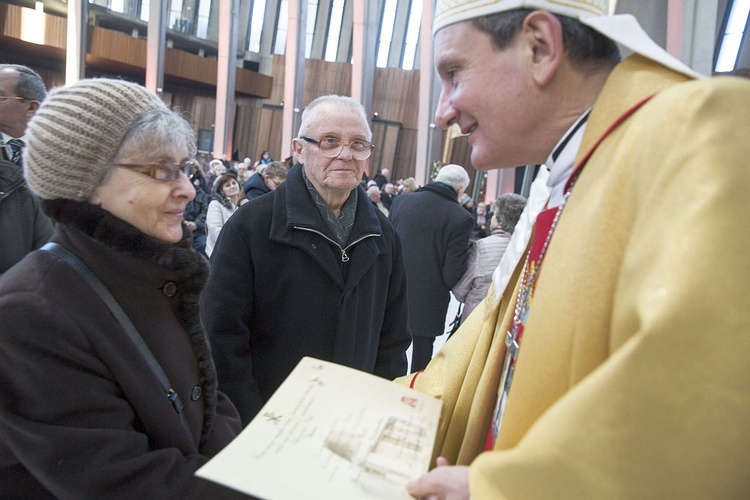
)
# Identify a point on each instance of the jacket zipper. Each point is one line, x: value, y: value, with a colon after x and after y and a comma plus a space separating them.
x: 344, y: 256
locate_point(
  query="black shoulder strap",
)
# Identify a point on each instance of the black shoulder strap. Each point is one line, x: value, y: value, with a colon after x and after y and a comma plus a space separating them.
x: 126, y: 324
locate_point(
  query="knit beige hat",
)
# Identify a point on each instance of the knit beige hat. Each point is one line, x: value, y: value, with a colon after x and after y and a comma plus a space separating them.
x: 623, y: 29
x: 73, y: 137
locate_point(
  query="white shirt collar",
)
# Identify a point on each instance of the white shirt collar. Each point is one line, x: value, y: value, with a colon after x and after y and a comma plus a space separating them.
x: 560, y: 161
x: 6, y: 138
x: 547, y: 191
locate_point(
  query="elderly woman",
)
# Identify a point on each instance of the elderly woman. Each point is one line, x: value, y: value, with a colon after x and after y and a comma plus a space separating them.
x: 220, y: 209
x: 485, y: 253
x: 410, y: 185
x: 108, y: 388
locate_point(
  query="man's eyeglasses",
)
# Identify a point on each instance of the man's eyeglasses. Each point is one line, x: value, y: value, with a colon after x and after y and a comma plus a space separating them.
x: 331, y: 146
x: 162, y: 170
x: 13, y: 98
x: 275, y: 182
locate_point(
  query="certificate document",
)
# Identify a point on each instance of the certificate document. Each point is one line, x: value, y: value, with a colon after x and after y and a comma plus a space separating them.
x: 331, y: 432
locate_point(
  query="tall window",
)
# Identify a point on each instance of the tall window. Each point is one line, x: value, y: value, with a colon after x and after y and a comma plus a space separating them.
x: 256, y: 25
x: 412, y: 35
x: 175, y: 15
x: 334, y: 30
x: 204, y: 12
x: 282, y: 27
x: 733, y: 34
x: 312, y: 12
x: 118, y: 6
x: 386, y: 32
x: 145, y: 9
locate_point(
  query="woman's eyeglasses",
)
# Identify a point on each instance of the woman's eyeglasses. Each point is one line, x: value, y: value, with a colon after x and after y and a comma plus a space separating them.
x: 162, y: 170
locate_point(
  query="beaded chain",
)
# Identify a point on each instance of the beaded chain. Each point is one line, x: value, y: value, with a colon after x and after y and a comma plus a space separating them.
x: 520, y: 315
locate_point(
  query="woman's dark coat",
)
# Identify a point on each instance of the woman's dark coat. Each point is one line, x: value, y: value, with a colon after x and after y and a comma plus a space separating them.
x: 81, y: 414
x: 23, y: 226
x: 196, y: 211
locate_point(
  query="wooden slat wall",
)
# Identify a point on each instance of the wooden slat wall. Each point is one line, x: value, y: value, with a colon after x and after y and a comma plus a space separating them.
x: 116, y: 46
x: 396, y: 96
x: 462, y: 156
x: 55, y: 28
x: 385, y: 137
x: 323, y: 77
x: 269, y: 133
x: 203, y: 113
x: 277, y: 73
x: 407, y: 155
x: 246, y: 120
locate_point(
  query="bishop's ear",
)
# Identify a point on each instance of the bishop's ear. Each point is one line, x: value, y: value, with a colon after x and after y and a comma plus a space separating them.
x: 543, y: 32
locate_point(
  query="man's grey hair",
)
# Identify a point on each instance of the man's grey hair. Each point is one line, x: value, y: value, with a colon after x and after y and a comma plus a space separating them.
x: 326, y: 102
x: 508, y: 208
x: 276, y: 169
x: 30, y: 85
x: 155, y: 129
x: 586, y: 49
x: 453, y: 175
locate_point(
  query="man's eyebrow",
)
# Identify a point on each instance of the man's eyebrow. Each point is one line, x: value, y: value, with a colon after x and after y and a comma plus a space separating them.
x: 444, y: 63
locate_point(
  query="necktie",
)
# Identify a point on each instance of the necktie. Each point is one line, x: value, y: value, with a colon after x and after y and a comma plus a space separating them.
x: 16, y: 147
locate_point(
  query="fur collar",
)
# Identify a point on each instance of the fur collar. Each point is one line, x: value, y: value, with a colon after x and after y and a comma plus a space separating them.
x: 224, y: 201
x: 191, y: 268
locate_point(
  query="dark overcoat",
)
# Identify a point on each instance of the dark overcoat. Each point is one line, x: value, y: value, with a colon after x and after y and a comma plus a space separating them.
x: 281, y: 288
x: 255, y: 187
x: 23, y: 225
x: 434, y: 231
x: 81, y: 414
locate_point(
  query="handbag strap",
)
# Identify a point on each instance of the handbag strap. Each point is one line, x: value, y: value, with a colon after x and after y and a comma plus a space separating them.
x: 127, y: 325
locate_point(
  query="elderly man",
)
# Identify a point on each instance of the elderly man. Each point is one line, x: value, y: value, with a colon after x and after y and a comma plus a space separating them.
x: 435, y: 232
x: 387, y: 194
x: 22, y: 224
x: 311, y: 269
x: 272, y: 175
x: 626, y: 372
x: 374, y: 194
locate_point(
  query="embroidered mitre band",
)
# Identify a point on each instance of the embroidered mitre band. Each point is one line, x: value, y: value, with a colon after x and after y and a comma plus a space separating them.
x: 454, y: 11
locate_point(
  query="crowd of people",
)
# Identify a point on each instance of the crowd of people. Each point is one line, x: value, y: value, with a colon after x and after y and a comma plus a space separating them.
x: 602, y: 349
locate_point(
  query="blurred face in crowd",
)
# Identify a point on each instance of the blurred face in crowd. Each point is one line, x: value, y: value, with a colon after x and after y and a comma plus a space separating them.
x: 374, y: 194
x: 272, y: 182
x: 14, y: 113
x: 231, y: 188
x: 154, y: 207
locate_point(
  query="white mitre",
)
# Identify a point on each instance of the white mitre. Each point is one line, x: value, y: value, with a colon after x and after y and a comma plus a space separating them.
x: 623, y: 28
